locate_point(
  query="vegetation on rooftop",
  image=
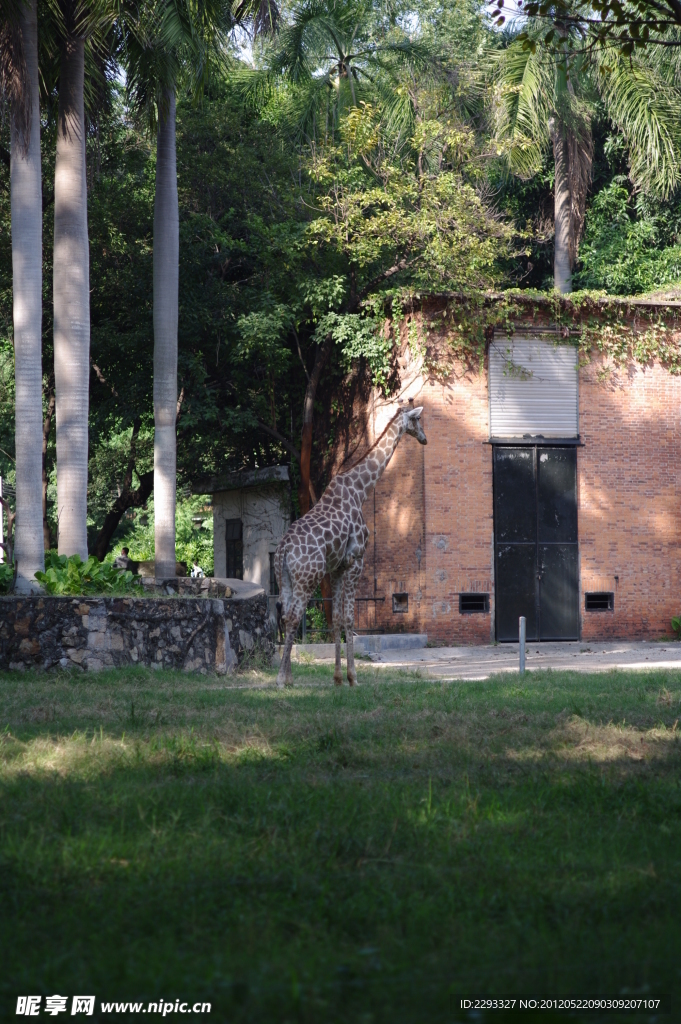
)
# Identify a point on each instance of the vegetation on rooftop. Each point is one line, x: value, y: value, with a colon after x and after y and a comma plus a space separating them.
x: 450, y: 327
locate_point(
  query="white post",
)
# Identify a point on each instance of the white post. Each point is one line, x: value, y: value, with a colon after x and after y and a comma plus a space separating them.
x: 2, y: 527
x: 522, y: 644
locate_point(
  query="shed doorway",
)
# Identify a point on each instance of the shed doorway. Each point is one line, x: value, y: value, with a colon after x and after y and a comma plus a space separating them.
x: 535, y: 541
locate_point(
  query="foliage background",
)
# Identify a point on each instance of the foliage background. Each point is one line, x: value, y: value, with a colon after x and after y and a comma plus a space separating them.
x: 290, y: 232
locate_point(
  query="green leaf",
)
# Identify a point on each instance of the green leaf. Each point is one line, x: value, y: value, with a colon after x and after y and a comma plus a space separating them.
x: 73, y: 576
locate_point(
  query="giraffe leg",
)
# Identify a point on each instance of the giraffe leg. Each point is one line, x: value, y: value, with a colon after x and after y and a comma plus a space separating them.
x: 284, y: 675
x: 350, y: 580
x: 289, y: 610
x: 337, y: 608
x: 291, y: 617
x: 350, y: 653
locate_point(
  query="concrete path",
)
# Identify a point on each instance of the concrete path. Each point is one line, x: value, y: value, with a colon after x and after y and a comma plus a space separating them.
x: 481, y: 662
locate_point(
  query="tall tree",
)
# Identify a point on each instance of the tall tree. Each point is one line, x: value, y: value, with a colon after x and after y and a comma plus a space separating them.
x: 338, y: 56
x: 163, y: 43
x: 155, y: 39
x: 166, y: 283
x: 628, y: 26
x: 71, y: 291
x: 26, y: 206
x: 542, y: 98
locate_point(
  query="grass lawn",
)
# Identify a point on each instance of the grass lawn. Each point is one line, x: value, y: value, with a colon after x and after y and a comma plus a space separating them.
x: 326, y: 855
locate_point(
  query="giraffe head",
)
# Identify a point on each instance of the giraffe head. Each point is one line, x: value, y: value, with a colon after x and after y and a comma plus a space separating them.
x: 412, y: 424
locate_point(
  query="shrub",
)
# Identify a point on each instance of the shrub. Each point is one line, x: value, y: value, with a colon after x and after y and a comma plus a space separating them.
x: 193, y: 537
x: 317, y: 625
x: 6, y: 577
x: 73, y: 576
x: 626, y: 249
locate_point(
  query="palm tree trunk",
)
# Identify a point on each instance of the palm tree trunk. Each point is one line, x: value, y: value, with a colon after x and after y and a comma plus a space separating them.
x: 562, y: 269
x: 71, y: 305
x: 27, y: 278
x: 166, y: 283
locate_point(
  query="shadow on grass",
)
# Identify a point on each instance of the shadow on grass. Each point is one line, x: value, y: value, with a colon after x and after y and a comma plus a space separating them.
x: 325, y: 854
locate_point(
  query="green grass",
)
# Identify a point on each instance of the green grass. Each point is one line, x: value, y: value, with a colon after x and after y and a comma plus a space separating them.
x: 319, y: 854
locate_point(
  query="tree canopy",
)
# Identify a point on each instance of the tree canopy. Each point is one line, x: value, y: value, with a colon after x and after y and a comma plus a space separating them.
x: 326, y: 173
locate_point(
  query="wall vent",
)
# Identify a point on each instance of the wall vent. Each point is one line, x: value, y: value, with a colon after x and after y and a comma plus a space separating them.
x: 400, y: 603
x: 469, y: 603
x: 602, y: 601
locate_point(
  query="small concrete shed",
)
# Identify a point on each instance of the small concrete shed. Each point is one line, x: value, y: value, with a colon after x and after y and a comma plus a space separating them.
x: 251, y: 513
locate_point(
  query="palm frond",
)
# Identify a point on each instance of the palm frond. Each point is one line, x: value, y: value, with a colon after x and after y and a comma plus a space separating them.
x: 332, y: 52
x: 522, y: 105
x: 253, y: 87
x: 14, y: 82
x: 304, y: 116
x: 646, y: 108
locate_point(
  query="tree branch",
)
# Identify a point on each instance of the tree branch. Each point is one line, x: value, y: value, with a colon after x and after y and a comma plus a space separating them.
x: 300, y: 354
x: 125, y: 500
x: 128, y: 498
x: 102, y: 379
x: 284, y: 441
x: 291, y: 449
x: 395, y: 269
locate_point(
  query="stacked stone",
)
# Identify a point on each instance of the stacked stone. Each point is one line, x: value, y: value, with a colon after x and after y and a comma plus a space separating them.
x: 192, y: 634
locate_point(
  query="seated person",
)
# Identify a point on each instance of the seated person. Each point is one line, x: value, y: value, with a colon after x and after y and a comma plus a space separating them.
x: 124, y: 561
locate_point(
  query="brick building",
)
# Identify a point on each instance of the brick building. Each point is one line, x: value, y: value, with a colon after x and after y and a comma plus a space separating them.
x: 550, y: 485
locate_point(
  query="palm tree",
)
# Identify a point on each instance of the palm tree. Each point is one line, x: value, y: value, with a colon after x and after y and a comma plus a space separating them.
x: 82, y: 30
x: 71, y: 287
x: 20, y: 70
x: 155, y: 40
x: 540, y: 99
x: 166, y: 285
x: 337, y: 54
x: 163, y: 43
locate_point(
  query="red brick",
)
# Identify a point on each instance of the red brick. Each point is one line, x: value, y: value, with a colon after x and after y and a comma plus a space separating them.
x: 438, y: 500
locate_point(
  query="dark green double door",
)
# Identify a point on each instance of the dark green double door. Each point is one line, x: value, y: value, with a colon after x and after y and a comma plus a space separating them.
x: 535, y: 542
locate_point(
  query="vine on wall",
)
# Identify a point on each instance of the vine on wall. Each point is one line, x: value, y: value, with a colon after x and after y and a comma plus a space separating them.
x: 459, y: 328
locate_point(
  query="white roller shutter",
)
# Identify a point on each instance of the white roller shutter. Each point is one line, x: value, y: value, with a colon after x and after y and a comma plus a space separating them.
x: 532, y: 389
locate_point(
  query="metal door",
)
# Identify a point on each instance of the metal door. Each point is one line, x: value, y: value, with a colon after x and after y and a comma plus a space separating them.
x: 234, y: 549
x: 535, y: 542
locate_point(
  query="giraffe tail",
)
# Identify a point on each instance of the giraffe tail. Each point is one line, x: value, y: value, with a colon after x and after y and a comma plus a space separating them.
x: 280, y: 623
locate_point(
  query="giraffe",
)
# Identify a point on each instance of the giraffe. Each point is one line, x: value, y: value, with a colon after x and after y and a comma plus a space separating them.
x: 332, y: 538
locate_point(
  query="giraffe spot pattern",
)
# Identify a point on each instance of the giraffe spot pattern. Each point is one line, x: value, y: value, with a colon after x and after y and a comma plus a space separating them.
x: 332, y: 538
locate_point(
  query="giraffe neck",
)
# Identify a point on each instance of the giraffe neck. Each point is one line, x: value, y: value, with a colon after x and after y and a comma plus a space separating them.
x: 366, y: 474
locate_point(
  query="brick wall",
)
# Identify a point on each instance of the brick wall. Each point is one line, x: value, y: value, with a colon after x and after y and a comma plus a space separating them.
x: 396, y: 549
x: 437, y: 501
x: 630, y: 498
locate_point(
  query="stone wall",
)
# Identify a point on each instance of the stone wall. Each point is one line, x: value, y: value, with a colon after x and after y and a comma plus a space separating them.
x: 193, y: 634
